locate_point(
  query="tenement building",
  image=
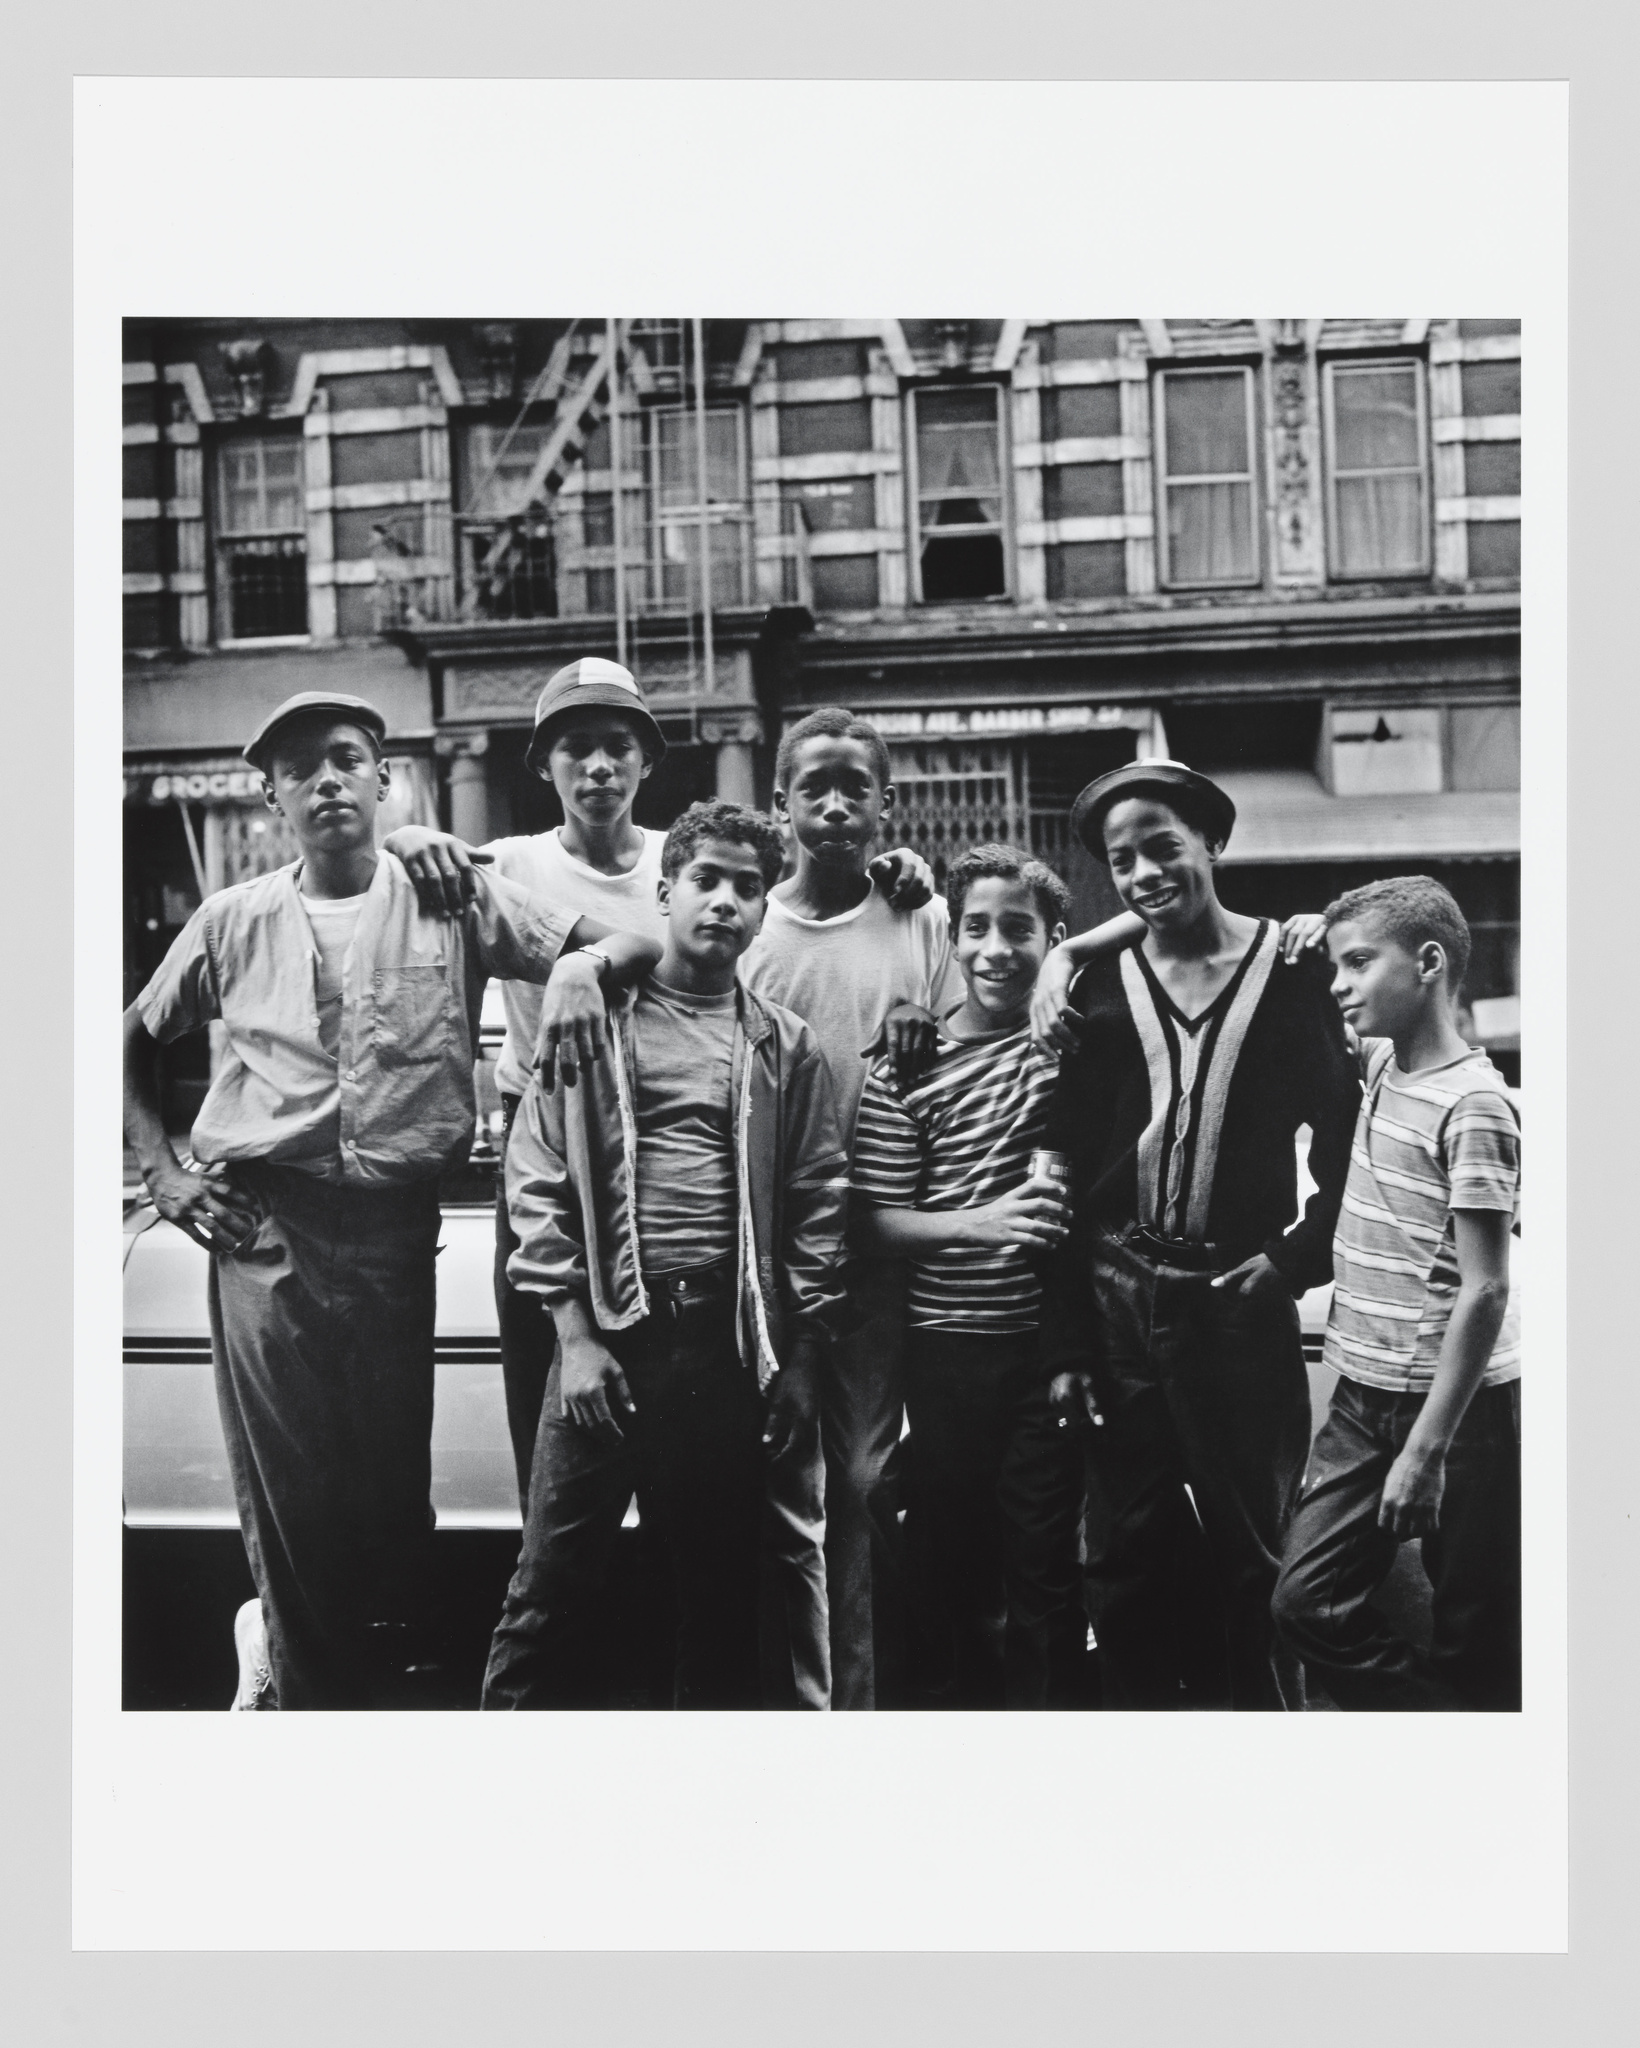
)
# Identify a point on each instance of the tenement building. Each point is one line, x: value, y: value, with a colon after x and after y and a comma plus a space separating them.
x: 1285, y: 551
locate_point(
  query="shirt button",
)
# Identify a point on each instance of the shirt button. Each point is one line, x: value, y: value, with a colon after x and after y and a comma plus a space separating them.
x: 352, y: 1144
x: 680, y: 1286
x: 353, y: 1073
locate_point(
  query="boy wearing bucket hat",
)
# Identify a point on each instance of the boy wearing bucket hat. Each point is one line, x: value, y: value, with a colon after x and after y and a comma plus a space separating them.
x: 595, y: 740
x: 345, y: 1091
x: 1174, y: 1302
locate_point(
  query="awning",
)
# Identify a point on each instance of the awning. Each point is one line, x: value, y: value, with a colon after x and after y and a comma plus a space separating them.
x: 1284, y: 814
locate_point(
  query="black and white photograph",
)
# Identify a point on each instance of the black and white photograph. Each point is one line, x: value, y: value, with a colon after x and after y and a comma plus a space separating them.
x: 820, y: 1012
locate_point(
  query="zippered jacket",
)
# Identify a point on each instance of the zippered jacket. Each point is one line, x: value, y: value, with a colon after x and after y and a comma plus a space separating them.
x: 572, y: 1185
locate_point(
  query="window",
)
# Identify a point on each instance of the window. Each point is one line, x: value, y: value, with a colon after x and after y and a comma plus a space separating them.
x: 958, y: 450
x: 509, y: 560
x: 262, y: 548
x: 675, y: 506
x: 1377, y: 486
x: 1204, y: 450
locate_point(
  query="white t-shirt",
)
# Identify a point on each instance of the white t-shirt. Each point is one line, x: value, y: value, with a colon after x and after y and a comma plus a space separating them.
x: 842, y: 975
x: 334, y: 920
x: 539, y: 865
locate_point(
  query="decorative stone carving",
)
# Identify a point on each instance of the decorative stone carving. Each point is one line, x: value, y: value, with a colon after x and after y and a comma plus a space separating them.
x: 248, y: 362
x: 1289, y: 384
x: 738, y: 727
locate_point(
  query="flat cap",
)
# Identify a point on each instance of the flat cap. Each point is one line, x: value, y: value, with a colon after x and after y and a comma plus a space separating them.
x: 303, y: 705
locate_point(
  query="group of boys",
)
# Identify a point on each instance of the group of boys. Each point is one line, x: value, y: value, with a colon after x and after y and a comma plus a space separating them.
x: 770, y: 1196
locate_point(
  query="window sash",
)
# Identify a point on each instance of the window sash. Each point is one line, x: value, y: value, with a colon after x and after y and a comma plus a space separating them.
x: 924, y: 499
x: 249, y: 496
x: 1237, y: 488
x: 1363, y: 513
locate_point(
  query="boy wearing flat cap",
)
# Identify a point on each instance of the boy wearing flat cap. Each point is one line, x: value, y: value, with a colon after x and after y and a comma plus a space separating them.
x: 1192, y: 1065
x: 345, y: 1091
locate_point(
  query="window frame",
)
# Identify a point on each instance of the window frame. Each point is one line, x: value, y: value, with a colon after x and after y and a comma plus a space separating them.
x: 738, y: 507
x: 1255, y: 495
x: 224, y: 536
x: 1004, y: 528
x: 1331, y: 474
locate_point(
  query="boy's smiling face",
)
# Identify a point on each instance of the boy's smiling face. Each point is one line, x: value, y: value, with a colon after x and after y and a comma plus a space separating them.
x: 595, y: 762
x: 714, y: 907
x: 325, y: 776
x: 836, y: 803
x: 1000, y: 940
x: 1381, y: 987
x: 1161, y: 866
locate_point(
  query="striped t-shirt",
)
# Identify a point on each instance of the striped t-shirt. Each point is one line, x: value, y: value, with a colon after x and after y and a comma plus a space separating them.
x: 958, y: 1138
x: 1427, y: 1143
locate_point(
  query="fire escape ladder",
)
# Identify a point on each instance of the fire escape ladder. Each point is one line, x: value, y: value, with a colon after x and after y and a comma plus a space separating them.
x: 561, y: 451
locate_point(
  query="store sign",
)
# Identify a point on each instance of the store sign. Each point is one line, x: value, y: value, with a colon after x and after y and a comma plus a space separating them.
x: 1009, y: 718
x: 208, y: 782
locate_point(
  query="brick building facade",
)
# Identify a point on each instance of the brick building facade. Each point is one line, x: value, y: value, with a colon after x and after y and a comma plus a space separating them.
x: 1286, y: 551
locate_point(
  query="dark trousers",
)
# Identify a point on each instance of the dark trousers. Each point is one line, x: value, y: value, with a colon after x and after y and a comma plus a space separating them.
x: 322, y: 1336
x: 1207, y: 1390
x: 693, y: 1452
x: 528, y: 1339
x: 995, y: 1494
x: 1337, y: 1557
x: 862, y: 1410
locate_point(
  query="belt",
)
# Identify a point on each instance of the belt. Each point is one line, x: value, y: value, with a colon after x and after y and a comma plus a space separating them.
x: 691, y: 1290
x: 1183, y: 1252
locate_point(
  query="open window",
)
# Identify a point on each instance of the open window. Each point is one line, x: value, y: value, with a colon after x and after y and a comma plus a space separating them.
x: 959, y: 543
x: 262, y: 540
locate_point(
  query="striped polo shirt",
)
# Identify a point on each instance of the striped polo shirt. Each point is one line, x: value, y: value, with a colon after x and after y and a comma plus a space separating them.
x: 958, y: 1138
x: 1425, y: 1144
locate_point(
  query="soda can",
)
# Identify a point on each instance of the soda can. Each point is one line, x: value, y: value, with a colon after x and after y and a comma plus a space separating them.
x: 1053, y: 1170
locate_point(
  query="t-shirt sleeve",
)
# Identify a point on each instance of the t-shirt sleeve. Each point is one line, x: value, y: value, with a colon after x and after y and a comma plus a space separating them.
x: 888, y: 1146
x: 945, y: 983
x: 514, y: 936
x: 1481, y: 1147
x: 182, y: 995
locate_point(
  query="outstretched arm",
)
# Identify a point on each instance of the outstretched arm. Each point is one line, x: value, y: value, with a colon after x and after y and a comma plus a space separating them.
x: 904, y: 877
x: 206, y: 1208
x: 441, y: 866
x: 1054, y: 1024
x: 574, y: 1007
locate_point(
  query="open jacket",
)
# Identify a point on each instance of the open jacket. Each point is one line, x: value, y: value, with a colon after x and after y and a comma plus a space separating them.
x: 572, y: 1185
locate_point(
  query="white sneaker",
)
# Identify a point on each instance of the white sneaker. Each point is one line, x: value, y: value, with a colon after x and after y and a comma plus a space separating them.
x: 250, y: 1639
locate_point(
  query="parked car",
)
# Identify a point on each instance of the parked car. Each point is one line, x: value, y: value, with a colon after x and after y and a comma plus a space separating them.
x: 185, y: 1565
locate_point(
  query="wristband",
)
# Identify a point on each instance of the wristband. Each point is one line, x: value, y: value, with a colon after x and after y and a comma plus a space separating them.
x: 593, y: 953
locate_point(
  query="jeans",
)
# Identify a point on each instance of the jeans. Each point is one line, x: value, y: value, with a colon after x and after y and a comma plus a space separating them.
x: 1205, y: 1390
x: 1337, y: 1557
x: 528, y: 1338
x: 693, y: 1451
x: 995, y: 1495
x: 322, y: 1338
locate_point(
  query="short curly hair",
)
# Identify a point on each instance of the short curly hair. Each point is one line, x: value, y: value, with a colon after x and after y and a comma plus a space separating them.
x: 832, y: 722
x: 736, y: 823
x: 1411, y: 910
x: 1009, y: 864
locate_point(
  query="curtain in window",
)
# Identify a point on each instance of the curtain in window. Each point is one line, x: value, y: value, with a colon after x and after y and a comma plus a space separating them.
x: 1380, y: 524
x: 1209, y: 486
x: 959, y: 472
x: 1378, y: 471
x: 1209, y: 533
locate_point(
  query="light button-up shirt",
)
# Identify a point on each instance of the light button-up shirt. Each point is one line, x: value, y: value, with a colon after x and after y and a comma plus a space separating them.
x: 399, y: 1097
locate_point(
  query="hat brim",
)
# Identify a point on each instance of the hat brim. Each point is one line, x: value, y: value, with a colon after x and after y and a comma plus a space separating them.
x: 1090, y: 809
x: 654, y: 741
x: 333, y: 714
